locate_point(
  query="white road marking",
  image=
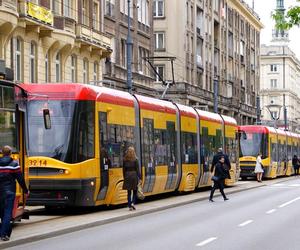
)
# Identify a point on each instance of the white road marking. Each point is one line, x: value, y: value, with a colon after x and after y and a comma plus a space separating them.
x: 294, y: 185
x: 245, y: 223
x: 289, y: 202
x: 271, y: 211
x: 202, y: 243
x: 277, y: 185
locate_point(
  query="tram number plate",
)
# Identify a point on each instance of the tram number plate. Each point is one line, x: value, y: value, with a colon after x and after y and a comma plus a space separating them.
x: 37, y: 163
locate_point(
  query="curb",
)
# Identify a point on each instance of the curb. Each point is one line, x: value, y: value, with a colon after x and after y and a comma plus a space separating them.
x: 59, y: 232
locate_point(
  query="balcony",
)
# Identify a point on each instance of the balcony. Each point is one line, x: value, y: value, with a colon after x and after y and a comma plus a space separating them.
x: 93, y: 38
x: 8, y: 13
x: 35, y: 14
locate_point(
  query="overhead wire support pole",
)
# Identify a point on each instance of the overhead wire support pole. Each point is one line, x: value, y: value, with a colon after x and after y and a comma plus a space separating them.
x: 129, y: 52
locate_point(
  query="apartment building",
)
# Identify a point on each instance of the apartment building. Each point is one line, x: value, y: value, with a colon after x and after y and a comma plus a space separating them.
x: 53, y: 40
x: 217, y: 46
x: 280, y: 85
x: 141, y: 30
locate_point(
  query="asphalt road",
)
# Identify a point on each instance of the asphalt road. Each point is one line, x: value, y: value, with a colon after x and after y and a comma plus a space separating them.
x: 263, y: 218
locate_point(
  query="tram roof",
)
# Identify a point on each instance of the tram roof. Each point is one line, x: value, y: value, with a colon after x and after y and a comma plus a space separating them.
x: 229, y: 120
x: 256, y: 129
x: 154, y: 104
x: 208, y: 116
x: 78, y: 91
x: 187, y: 111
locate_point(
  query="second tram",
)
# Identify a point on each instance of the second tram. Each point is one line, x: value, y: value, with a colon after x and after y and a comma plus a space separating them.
x: 174, y: 144
x: 276, y: 146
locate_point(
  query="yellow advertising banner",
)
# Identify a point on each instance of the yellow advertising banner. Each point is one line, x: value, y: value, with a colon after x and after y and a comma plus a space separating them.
x: 40, y: 13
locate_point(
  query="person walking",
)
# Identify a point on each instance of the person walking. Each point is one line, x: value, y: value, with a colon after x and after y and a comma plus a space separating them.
x: 258, y: 168
x: 218, y: 178
x: 216, y: 159
x: 10, y: 171
x: 295, y: 162
x: 131, y: 176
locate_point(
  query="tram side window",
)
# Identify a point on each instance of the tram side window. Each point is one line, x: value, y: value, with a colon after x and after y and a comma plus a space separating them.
x: 281, y: 152
x: 189, y: 148
x: 8, y: 130
x: 160, y: 147
x: 86, y: 135
x: 290, y: 152
x: 120, y: 137
x: 231, y: 148
x: 207, y: 148
x: 274, y: 152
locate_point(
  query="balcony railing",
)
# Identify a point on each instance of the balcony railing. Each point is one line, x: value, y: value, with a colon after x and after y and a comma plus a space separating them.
x: 92, y: 36
x: 8, y: 5
x: 36, y: 12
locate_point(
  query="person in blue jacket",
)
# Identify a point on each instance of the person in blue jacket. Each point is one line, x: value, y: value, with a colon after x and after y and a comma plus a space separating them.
x: 10, y: 171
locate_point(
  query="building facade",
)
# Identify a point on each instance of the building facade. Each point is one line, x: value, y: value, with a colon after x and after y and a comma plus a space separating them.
x: 280, y: 85
x: 53, y: 40
x: 217, y: 46
x: 141, y: 29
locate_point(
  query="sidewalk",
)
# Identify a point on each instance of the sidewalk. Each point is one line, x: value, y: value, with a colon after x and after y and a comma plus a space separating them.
x: 45, y: 226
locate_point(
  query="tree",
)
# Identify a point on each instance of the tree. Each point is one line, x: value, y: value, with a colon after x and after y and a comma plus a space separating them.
x: 288, y: 20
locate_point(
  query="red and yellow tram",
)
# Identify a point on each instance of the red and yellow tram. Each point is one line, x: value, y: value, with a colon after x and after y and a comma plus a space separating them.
x: 174, y: 144
x: 276, y: 146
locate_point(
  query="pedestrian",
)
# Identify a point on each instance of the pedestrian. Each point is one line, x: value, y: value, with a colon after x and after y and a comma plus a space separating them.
x: 216, y: 159
x: 10, y: 171
x: 295, y: 162
x: 131, y: 176
x: 219, y: 178
x: 258, y: 168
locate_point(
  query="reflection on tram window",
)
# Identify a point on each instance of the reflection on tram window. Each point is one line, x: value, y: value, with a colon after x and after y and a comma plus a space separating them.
x: 254, y: 143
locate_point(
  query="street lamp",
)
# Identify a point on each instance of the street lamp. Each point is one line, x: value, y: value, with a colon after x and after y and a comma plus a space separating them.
x: 274, y: 110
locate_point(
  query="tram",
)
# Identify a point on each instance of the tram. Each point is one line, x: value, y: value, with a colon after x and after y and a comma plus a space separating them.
x: 276, y: 146
x: 12, y: 133
x: 174, y: 144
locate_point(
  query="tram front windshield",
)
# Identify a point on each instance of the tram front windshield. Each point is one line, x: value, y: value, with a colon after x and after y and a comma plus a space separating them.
x: 253, y: 143
x: 54, y: 142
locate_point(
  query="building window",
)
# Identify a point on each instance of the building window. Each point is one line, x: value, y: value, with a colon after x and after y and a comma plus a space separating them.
x: 56, y: 6
x: 18, y: 60
x: 73, y: 68
x: 85, y: 12
x: 96, y: 71
x: 95, y: 16
x: 160, y: 69
x: 159, y: 38
x: 159, y: 8
x: 273, y: 83
x: 47, y: 68
x: 85, y: 70
x: 57, y: 67
x: 67, y: 8
x: 124, y: 7
x: 273, y: 68
x: 110, y: 7
x: 123, y: 57
x: 143, y: 12
x: 32, y: 62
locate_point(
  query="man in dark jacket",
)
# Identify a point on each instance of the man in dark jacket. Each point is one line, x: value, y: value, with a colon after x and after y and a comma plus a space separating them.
x: 219, y: 178
x: 10, y: 171
x: 216, y: 159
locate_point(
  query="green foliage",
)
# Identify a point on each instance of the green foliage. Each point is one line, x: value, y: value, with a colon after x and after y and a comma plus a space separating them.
x: 289, y: 20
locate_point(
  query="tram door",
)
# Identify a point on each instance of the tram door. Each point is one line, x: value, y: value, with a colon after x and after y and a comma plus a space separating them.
x: 171, y: 155
x: 148, y: 154
x: 105, y: 162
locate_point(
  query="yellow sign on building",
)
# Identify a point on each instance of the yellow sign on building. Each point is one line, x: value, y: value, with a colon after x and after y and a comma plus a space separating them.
x: 40, y: 13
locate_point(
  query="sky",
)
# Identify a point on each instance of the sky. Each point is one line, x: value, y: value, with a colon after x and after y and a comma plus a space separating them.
x: 264, y: 8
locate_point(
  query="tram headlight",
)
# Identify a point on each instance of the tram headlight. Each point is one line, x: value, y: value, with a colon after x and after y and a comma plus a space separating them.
x: 92, y: 183
x: 67, y: 171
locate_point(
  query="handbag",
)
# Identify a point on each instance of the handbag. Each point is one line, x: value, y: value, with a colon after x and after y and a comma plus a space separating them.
x: 215, y: 178
x: 140, y: 192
